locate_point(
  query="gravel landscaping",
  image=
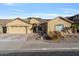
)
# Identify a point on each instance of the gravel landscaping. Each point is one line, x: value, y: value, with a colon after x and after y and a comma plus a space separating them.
x: 26, y: 37
x: 14, y: 43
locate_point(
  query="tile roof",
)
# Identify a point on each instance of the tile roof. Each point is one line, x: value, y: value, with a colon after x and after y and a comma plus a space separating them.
x: 39, y: 19
x: 64, y: 18
x: 3, y: 22
x: 44, y: 20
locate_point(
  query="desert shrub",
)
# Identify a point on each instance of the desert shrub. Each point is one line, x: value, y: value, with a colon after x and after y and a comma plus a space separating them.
x: 45, y: 36
x: 55, y: 35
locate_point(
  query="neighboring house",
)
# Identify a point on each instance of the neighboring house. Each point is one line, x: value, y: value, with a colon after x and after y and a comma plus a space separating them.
x: 57, y: 24
x: 3, y: 23
x: 15, y: 26
x: 18, y: 26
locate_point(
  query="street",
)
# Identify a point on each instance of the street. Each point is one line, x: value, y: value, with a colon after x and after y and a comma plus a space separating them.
x: 49, y: 53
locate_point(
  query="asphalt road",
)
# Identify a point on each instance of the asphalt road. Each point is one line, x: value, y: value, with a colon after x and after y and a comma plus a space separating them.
x: 47, y: 53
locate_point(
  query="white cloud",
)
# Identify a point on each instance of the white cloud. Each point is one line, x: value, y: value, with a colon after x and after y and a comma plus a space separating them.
x: 55, y: 14
x: 22, y: 14
x: 9, y: 4
x: 7, y: 17
x: 46, y: 16
x: 17, y: 10
x: 69, y: 11
x: 49, y: 15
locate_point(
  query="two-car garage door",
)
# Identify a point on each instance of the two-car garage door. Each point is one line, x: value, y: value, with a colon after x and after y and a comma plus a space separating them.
x: 17, y: 30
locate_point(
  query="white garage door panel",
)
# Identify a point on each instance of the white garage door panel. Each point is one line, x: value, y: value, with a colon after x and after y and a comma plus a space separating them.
x: 17, y: 30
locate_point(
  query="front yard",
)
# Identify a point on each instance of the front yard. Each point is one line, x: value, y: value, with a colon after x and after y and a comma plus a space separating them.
x: 12, y: 43
x: 74, y: 38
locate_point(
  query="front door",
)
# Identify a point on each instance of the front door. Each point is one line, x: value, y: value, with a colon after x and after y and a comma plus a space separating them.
x: 4, y: 29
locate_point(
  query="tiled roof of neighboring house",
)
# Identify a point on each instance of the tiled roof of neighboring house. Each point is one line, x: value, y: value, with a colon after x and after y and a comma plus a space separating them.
x: 3, y: 22
x: 29, y: 18
x: 39, y: 19
x: 44, y: 20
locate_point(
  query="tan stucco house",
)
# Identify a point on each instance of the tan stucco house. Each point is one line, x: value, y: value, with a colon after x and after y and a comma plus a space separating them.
x: 32, y: 25
x: 18, y: 26
x: 57, y: 24
x: 15, y: 26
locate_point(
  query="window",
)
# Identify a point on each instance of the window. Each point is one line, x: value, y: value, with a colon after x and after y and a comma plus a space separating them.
x: 59, y: 27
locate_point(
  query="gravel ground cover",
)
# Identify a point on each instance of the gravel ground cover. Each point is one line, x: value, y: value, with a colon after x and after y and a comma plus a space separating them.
x: 15, y: 43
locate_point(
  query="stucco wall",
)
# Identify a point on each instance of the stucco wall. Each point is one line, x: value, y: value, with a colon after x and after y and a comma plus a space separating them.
x: 53, y: 23
x: 1, y: 29
x: 18, y: 27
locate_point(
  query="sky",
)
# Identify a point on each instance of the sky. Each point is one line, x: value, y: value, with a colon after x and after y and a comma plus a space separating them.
x: 42, y: 10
